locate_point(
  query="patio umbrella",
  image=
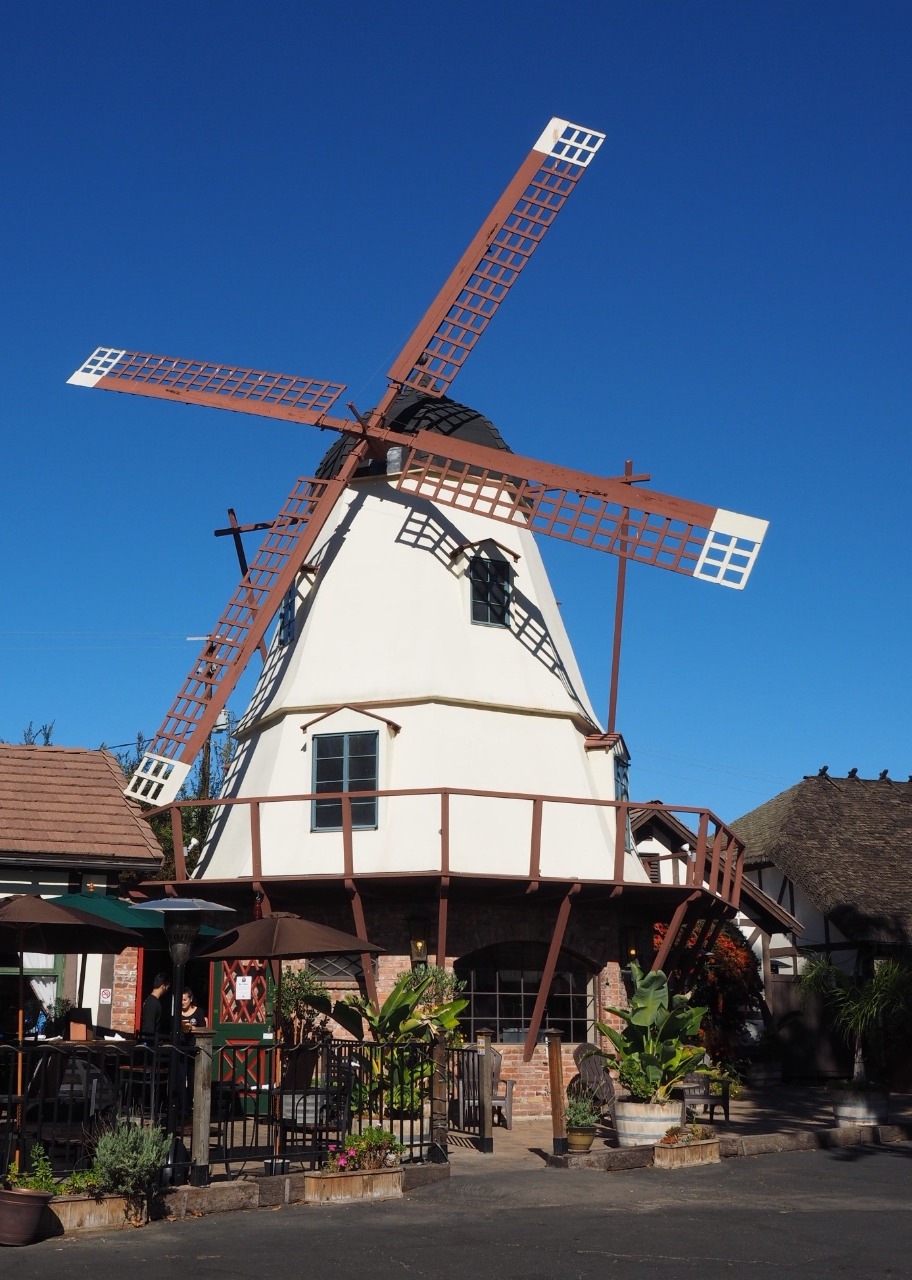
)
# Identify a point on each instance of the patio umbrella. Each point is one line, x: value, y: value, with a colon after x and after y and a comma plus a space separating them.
x: 283, y: 936
x: 30, y: 923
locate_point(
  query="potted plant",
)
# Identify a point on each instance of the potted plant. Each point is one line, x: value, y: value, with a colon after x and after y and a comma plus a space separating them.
x: 686, y: 1144
x: 654, y: 1052
x: 24, y: 1198
x: 861, y: 1006
x: 582, y: 1115
x: 129, y: 1159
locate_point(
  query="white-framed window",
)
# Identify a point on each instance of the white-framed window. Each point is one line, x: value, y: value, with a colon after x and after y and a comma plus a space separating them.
x: 491, y: 582
x: 345, y: 762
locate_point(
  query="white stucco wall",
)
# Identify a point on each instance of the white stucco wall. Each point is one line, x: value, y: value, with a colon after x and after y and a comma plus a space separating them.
x: 386, y: 623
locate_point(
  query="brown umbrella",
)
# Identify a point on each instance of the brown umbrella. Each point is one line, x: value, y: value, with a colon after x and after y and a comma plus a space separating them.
x: 30, y: 923
x: 283, y: 937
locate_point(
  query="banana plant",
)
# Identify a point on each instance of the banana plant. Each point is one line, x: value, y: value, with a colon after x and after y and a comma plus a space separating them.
x: 402, y: 1019
x: 654, y: 1049
x: 396, y: 1074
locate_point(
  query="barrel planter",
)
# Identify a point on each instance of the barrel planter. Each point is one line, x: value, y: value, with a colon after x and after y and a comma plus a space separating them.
x: 23, y: 1215
x: 644, y: 1124
x: 860, y: 1106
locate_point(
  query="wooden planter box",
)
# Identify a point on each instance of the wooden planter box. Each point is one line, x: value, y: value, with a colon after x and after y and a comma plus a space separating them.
x: 373, y: 1184
x: 70, y: 1213
x: 688, y: 1153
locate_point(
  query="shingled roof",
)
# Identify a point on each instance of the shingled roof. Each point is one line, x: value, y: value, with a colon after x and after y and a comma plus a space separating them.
x: 847, y: 843
x: 65, y: 805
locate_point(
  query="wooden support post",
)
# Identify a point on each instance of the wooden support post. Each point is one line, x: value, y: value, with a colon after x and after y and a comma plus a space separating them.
x: 556, y: 1082
x: 202, y: 1104
x: 442, y: 904
x: 620, y: 841
x: 440, y: 1097
x: 485, y: 1092
x: 256, y: 852
x: 177, y: 840
x: 699, y: 866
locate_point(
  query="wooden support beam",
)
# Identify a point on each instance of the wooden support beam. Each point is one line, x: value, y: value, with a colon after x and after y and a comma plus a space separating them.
x: 177, y: 839
x: 370, y: 981
x: 672, y: 932
x: 442, y: 906
x: 256, y: 850
x: 557, y: 941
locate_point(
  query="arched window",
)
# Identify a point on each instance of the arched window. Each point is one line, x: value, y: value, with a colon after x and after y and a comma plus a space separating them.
x: 501, y: 986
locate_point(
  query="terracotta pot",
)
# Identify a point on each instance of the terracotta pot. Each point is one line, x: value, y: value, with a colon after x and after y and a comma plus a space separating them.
x: 23, y: 1215
x: 580, y: 1139
x: 643, y: 1124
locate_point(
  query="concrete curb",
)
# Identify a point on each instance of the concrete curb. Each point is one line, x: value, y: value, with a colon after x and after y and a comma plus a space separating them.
x: 266, y: 1192
x: 616, y: 1159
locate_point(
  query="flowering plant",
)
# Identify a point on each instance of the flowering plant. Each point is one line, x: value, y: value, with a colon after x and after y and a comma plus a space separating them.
x: 682, y: 1135
x: 373, y: 1148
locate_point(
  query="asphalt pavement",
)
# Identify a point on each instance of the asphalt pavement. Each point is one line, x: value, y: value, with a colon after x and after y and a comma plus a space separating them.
x: 810, y: 1215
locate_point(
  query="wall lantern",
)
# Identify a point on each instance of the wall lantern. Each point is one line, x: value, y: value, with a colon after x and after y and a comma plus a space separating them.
x: 418, y: 931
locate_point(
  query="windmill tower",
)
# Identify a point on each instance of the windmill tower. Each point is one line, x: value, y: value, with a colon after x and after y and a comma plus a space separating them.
x: 420, y: 758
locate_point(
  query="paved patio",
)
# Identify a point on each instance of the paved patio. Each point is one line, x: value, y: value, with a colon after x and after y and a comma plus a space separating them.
x: 784, y: 1110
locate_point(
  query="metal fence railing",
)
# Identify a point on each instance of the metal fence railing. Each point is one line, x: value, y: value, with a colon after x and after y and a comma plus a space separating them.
x: 61, y: 1096
x: 293, y: 1105
x: 267, y: 1107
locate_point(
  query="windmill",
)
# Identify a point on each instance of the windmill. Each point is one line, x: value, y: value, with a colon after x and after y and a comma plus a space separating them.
x: 611, y: 515
x: 456, y: 764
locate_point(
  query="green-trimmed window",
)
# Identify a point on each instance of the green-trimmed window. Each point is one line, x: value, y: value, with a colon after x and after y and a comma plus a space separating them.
x: 344, y: 762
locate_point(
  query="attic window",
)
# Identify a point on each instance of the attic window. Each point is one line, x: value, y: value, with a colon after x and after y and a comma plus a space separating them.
x: 491, y: 583
x: 287, y: 618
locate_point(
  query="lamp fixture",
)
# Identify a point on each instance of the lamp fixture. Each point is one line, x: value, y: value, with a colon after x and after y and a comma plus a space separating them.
x: 418, y: 946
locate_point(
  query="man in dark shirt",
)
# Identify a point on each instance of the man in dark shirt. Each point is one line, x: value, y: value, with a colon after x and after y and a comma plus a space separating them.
x: 150, y: 1022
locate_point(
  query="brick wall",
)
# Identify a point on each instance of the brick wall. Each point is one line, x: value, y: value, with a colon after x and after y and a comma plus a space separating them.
x: 123, y: 995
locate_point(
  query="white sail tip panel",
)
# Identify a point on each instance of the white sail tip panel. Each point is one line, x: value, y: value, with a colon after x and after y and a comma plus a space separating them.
x: 100, y: 362
x: 157, y: 780
x: 730, y: 549
x: 572, y: 142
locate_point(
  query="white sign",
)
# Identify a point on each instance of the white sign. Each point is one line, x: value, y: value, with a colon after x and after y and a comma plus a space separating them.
x: 104, y: 995
x: 243, y: 987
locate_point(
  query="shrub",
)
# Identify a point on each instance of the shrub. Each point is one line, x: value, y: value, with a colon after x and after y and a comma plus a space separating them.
x: 129, y: 1158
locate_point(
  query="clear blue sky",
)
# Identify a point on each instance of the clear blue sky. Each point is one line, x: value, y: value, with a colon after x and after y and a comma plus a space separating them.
x: 725, y: 300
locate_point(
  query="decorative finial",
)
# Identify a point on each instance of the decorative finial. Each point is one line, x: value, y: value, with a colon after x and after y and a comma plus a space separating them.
x: 853, y: 773
x: 882, y: 776
x: 822, y: 773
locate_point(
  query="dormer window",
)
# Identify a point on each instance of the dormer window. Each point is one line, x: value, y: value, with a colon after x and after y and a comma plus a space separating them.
x: 491, y: 583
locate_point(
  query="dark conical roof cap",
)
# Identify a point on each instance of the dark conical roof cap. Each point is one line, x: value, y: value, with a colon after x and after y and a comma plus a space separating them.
x: 412, y: 412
